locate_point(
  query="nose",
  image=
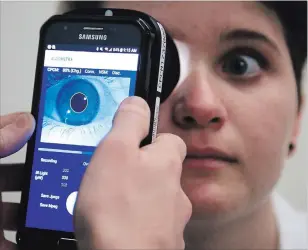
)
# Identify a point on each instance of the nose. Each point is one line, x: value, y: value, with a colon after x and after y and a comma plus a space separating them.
x: 199, y: 104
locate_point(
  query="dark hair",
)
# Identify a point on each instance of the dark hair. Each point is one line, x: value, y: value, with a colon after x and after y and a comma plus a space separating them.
x: 293, y: 17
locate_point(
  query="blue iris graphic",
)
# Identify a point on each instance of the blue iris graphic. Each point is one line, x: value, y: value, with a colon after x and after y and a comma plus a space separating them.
x: 77, y: 102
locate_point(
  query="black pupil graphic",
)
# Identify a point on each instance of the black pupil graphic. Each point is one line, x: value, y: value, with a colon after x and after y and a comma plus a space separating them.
x: 79, y: 102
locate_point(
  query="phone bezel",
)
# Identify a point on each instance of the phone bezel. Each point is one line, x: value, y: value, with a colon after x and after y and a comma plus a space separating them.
x: 50, y: 237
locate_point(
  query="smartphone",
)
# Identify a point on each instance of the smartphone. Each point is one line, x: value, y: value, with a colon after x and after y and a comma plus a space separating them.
x: 88, y: 62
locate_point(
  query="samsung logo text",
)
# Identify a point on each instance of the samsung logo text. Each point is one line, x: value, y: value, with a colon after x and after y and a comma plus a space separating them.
x: 92, y: 37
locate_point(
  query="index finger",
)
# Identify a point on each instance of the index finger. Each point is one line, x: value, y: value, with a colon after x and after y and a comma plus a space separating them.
x: 166, y: 143
x: 132, y: 121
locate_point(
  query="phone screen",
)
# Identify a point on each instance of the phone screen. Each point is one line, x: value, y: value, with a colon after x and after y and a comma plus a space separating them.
x: 86, y: 75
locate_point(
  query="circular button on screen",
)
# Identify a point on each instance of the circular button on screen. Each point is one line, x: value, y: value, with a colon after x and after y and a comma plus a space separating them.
x: 70, y: 202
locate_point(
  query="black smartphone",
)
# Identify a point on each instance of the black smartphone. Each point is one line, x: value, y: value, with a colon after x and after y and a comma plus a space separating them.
x: 88, y: 62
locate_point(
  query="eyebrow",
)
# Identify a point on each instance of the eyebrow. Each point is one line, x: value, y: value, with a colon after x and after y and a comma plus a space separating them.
x: 243, y: 34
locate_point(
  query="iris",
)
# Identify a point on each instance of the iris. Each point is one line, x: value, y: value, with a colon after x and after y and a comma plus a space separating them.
x: 77, y: 102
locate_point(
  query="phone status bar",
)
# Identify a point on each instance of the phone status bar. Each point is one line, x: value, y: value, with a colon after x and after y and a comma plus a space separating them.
x: 105, y: 49
x: 117, y: 49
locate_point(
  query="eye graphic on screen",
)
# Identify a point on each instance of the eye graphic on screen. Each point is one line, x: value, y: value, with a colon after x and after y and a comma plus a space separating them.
x: 78, y: 102
x: 79, y: 109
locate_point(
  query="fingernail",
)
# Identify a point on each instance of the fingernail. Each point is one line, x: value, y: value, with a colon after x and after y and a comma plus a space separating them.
x: 21, y: 121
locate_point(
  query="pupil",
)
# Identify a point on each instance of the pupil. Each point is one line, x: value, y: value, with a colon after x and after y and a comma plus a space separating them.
x: 237, y: 66
x: 79, y: 102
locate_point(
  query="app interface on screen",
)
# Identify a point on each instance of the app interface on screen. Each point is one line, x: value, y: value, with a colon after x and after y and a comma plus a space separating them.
x: 82, y: 87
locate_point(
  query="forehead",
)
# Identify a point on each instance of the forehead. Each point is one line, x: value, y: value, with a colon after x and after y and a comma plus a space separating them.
x: 197, y: 21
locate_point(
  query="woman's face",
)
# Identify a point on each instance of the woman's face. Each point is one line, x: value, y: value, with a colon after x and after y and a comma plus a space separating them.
x: 238, y: 96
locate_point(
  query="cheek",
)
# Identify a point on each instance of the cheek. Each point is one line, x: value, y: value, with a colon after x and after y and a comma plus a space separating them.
x: 264, y: 120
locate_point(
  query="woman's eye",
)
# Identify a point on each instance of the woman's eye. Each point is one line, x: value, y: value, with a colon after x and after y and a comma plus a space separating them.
x: 241, y: 65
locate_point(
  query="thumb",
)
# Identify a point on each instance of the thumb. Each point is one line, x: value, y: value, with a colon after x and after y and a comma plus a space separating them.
x: 131, y: 121
x: 15, y: 131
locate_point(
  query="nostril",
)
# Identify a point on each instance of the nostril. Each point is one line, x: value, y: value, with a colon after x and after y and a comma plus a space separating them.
x: 215, y: 120
x: 189, y: 120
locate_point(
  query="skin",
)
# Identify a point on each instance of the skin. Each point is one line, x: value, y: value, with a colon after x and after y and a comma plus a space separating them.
x: 257, y: 119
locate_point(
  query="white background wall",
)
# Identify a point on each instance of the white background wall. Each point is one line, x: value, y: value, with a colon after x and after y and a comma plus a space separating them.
x: 20, y: 24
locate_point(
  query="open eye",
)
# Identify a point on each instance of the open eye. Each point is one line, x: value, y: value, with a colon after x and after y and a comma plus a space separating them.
x: 243, y: 63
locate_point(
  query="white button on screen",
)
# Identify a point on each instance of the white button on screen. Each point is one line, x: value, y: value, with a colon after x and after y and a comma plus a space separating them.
x: 70, y: 202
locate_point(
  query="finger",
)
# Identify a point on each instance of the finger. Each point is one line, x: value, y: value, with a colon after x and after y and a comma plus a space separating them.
x: 15, y: 135
x: 10, y: 216
x: 11, y: 176
x: 168, y: 152
x: 132, y: 121
x: 169, y: 144
x: 7, y: 245
x: 8, y: 119
x: 186, y: 205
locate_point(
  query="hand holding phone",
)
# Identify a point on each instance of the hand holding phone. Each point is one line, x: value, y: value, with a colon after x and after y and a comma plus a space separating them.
x: 15, y: 130
x: 133, y: 200
x: 88, y: 62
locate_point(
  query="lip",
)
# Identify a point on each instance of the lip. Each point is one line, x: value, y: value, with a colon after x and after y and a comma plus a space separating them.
x: 209, y: 158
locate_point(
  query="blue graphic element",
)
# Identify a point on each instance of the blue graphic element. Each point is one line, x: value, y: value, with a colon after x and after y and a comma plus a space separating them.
x: 77, y: 102
x: 79, y: 109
